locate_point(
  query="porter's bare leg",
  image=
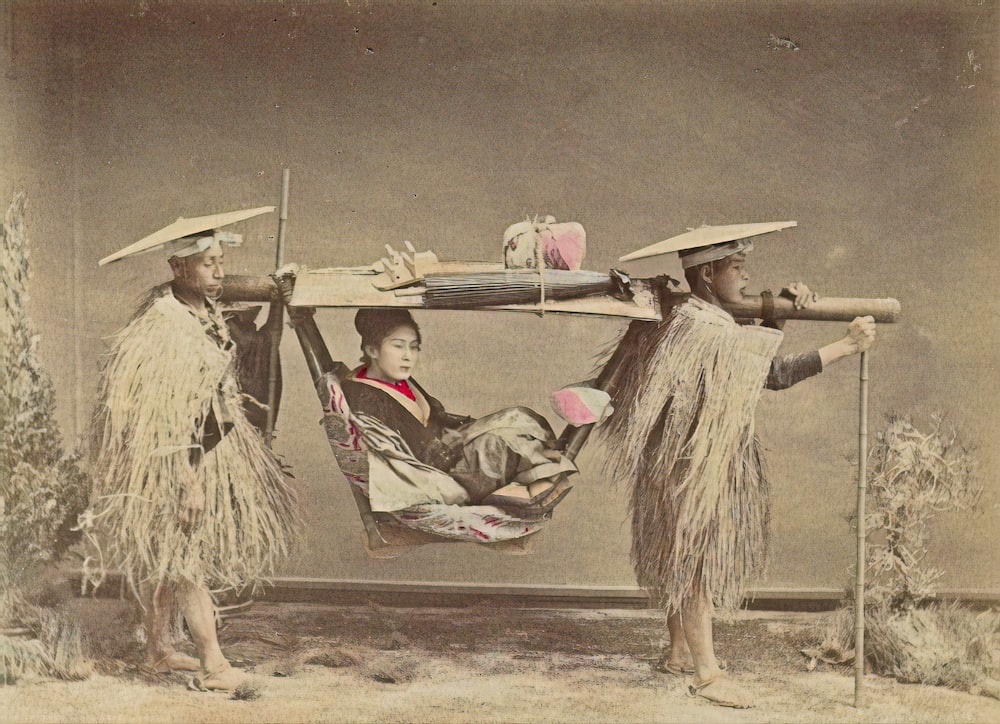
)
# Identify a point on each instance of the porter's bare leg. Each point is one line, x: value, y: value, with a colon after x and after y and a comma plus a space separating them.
x: 678, y: 658
x: 696, y: 620
x: 199, y: 612
x: 709, y: 682
x: 157, y: 619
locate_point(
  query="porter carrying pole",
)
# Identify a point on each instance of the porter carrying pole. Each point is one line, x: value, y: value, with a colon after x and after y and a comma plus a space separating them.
x: 859, y: 591
x: 276, y: 321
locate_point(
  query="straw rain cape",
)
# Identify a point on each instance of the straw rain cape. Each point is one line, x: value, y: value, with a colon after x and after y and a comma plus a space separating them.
x: 167, y: 374
x: 683, y: 438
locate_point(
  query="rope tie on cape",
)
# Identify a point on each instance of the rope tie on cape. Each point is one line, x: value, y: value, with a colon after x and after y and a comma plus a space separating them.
x: 767, y: 306
x: 540, y: 266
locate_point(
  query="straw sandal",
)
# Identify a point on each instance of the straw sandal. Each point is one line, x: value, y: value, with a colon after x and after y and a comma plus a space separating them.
x: 721, y: 692
x: 225, y: 679
x: 542, y: 509
x: 175, y: 661
x: 666, y: 666
x: 500, y: 500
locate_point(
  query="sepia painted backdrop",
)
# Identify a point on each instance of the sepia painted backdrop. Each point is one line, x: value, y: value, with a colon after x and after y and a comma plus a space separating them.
x: 443, y: 122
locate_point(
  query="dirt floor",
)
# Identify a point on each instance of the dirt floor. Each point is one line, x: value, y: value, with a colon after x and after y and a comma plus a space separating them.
x: 476, y: 664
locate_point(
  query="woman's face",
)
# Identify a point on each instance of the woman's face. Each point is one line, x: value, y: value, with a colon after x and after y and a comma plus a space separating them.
x: 396, y: 356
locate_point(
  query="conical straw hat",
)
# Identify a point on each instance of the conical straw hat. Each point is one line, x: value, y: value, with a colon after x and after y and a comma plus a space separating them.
x: 182, y: 228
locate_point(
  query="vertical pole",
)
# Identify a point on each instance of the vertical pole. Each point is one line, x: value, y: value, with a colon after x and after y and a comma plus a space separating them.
x: 276, y: 320
x: 279, y: 255
x: 859, y: 590
x: 76, y: 153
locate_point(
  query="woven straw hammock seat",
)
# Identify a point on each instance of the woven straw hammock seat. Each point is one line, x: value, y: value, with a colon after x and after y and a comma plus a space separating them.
x: 387, y: 534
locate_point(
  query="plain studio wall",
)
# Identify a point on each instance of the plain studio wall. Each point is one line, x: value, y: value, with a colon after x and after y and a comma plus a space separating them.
x: 443, y: 122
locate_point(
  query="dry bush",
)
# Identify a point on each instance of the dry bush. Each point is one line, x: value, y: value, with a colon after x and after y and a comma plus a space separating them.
x: 941, y: 645
x: 46, y: 645
x: 42, y: 488
x: 913, y: 476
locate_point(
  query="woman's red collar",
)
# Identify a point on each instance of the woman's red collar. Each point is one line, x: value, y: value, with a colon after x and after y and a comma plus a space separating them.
x: 401, y: 386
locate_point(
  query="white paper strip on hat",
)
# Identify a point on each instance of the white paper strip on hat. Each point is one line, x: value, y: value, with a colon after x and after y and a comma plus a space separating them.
x: 184, y: 227
x: 707, y: 236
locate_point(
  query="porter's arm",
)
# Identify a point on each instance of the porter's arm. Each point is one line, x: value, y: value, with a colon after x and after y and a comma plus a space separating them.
x: 792, y: 369
x: 860, y: 336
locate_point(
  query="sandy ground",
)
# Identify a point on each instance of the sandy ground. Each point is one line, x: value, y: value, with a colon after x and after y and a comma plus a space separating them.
x: 476, y: 664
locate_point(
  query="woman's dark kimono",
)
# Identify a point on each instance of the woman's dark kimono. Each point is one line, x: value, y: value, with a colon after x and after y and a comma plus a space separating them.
x: 513, y: 445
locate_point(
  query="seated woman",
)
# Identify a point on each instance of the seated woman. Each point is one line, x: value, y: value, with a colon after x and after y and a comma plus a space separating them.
x: 500, y: 459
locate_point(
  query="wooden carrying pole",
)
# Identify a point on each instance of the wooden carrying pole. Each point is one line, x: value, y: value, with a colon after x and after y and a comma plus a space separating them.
x: 276, y: 321
x: 824, y: 309
x: 247, y: 288
x: 859, y: 585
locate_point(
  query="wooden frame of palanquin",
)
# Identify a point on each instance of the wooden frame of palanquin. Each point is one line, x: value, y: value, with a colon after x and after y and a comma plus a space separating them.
x: 369, y: 287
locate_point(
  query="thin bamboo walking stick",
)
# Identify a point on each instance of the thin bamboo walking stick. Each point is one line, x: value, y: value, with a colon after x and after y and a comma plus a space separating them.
x: 859, y: 591
x: 276, y: 321
x: 279, y: 253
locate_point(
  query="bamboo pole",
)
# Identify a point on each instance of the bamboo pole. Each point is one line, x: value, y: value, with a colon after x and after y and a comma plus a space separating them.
x: 859, y: 591
x: 276, y: 321
x: 317, y: 355
x: 824, y: 309
x: 247, y: 288
x: 279, y: 254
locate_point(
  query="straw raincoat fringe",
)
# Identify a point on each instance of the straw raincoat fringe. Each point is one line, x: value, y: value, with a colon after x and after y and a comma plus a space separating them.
x: 683, y: 439
x: 164, y: 375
